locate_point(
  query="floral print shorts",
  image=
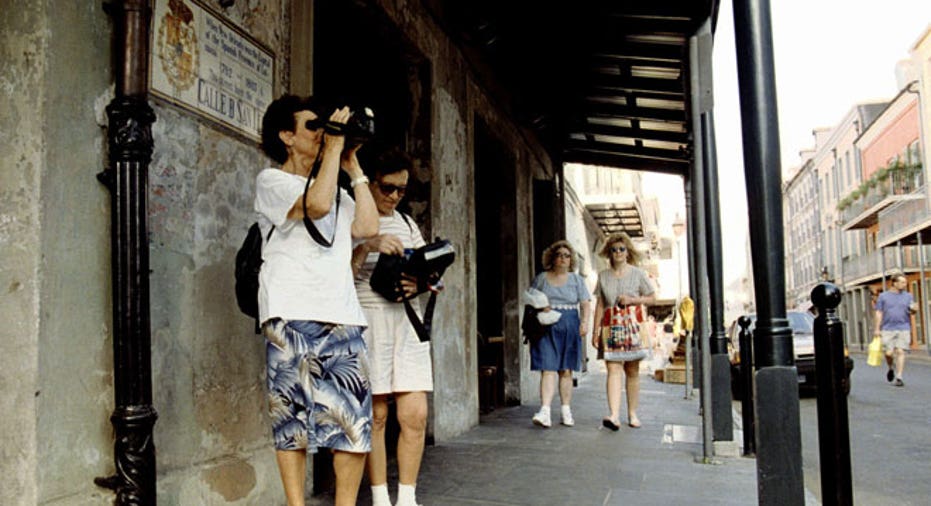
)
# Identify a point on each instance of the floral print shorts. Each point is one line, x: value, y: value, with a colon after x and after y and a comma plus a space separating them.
x: 318, y: 387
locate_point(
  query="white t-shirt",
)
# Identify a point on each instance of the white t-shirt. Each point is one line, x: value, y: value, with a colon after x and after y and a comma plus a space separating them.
x: 410, y: 237
x: 301, y: 280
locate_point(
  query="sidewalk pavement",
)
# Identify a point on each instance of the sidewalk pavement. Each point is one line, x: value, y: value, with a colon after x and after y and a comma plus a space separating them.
x: 508, y: 461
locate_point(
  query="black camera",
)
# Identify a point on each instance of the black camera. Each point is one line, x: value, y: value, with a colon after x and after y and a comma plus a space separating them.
x: 361, y: 126
x: 359, y: 129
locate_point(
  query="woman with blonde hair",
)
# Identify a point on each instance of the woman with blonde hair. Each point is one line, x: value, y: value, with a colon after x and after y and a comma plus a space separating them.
x: 558, y: 352
x: 621, y: 292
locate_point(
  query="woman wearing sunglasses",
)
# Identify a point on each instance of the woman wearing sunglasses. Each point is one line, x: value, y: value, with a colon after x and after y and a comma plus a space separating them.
x: 558, y: 352
x: 399, y: 363
x: 621, y: 292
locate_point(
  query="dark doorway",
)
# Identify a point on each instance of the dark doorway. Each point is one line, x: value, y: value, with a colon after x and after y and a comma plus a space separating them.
x: 496, y: 271
x: 546, y: 212
x: 361, y: 59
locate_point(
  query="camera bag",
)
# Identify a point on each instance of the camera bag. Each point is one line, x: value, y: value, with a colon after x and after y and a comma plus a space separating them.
x: 427, y: 264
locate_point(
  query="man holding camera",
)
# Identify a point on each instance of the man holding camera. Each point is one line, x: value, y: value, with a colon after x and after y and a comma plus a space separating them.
x: 400, y: 363
x: 893, y: 320
x: 318, y: 390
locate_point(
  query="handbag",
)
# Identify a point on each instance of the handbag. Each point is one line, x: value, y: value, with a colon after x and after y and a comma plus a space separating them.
x: 875, y: 356
x: 620, y: 334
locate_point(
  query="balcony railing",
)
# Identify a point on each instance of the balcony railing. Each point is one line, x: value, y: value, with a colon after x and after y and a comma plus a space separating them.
x: 863, y: 211
x: 862, y: 268
x: 903, y: 218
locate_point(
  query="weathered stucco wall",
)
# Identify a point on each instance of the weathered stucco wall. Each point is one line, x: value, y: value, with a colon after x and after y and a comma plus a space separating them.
x: 213, y: 439
x: 23, y: 44
x: 75, y: 396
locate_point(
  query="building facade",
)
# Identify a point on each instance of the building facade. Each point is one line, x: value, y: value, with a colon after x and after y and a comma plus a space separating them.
x: 873, y: 201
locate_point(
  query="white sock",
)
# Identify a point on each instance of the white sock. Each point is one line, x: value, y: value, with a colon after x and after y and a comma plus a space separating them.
x: 380, y: 495
x: 545, y: 410
x: 407, y: 495
x: 566, y: 409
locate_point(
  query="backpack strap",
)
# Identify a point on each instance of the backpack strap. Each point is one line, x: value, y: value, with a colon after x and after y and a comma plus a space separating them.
x: 407, y: 220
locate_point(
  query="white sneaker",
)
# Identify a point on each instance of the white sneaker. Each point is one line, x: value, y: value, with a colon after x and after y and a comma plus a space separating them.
x: 567, y: 419
x: 542, y: 418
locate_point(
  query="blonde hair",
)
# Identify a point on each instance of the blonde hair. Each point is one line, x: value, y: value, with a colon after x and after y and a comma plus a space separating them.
x: 633, y: 256
x: 550, y: 252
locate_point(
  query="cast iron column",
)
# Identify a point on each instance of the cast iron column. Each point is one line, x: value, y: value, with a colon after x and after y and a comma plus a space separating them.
x: 700, y: 103
x: 723, y: 420
x: 779, y: 442
x: 693, y: 270
x: 746, y: 385
x: 833, y: 422
x: 130, y: 145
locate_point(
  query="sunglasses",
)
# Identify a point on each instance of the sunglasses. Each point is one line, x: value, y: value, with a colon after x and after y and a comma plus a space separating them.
x: 314, y: 124
x: 388, y: 189
x: 563, y: 255
x: 618, y: 249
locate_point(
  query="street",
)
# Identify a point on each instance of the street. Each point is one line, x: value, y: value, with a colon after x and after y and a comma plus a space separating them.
x: 890, y: 434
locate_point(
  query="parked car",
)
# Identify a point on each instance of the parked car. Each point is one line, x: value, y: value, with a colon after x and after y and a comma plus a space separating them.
x: 803, y: 341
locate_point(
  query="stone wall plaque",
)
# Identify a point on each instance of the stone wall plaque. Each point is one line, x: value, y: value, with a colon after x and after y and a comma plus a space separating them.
x: 202, y: 63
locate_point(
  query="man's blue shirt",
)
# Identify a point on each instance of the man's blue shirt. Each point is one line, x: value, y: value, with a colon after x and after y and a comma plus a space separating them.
x: 894, y: 307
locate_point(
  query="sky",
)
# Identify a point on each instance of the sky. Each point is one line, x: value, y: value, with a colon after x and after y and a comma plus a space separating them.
x: 829, y: 56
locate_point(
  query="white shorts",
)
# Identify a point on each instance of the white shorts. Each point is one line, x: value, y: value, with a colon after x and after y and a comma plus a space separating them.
x: 893, y: 339
x: 398, y: 361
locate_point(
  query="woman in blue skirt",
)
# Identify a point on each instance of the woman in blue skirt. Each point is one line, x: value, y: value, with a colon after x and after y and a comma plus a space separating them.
x: 558, y: 352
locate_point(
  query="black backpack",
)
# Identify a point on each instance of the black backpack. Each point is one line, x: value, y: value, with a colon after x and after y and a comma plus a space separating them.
x: 248, y: 265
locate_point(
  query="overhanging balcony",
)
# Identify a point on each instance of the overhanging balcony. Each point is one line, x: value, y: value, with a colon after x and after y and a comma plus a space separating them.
x: 867, y: 268
x: 904, y: 220
x: 863, y: 212
x: 618, y: 217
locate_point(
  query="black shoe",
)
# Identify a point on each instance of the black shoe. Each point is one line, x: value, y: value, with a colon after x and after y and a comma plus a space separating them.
x: 611, y: 424
x: 899, y: 383
x: 890, y: 375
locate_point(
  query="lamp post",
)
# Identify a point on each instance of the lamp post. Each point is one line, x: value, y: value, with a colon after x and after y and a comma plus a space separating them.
x: 678, y: 228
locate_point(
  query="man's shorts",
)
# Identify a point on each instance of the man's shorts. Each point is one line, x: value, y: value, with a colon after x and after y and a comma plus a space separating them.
x: 318, y: 388
x: 399, y: 362
x: 892, y: 339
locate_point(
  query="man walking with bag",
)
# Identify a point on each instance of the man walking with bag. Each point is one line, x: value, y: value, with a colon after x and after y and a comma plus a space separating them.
x: 894, y: 310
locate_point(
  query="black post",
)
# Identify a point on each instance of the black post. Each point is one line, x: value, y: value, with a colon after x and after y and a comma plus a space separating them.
x: 701, y: 103
x: 833, y: 424
x: 723, y: 421
x: 746, y: 385
x: 130, y: 145
x: 779, y: 444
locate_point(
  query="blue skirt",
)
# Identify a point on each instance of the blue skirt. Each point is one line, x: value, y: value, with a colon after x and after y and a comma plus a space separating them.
x: 559, y: 349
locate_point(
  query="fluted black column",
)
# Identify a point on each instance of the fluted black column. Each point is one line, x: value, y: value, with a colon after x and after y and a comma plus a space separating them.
x: 130, y: 146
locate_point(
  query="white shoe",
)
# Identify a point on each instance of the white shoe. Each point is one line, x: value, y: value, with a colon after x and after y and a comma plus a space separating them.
x: 542, y: 418
x: 567, y: 419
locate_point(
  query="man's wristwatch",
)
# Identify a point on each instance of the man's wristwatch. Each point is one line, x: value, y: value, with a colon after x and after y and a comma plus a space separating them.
x: 357, y: 181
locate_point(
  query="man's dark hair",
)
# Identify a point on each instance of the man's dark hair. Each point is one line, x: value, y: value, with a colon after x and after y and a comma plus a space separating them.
x: 279, y: 117
x: 386, y: 162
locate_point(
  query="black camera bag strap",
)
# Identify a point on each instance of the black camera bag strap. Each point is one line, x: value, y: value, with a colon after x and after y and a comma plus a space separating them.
x: 421, y: 327
x: 309, y: 223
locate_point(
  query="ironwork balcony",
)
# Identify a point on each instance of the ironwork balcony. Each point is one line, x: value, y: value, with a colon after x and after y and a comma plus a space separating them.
x: 861, y: 269
x: 861, y: 208
x: 903, y: 219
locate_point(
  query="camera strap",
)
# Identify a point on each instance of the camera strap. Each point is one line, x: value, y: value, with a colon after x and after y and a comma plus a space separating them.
x: 422, y: 328
x: 308, y: 222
